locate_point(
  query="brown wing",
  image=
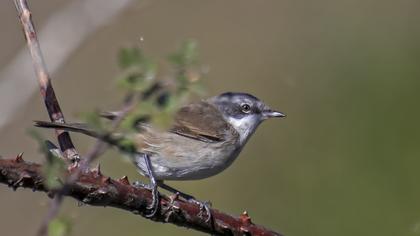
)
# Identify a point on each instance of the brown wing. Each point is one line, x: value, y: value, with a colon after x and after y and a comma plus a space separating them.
x: 201, y: 121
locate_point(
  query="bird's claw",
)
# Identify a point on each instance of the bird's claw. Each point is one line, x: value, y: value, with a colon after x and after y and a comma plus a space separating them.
x: 139, y: 184
x: 204, y: 209
x: 154, y: 207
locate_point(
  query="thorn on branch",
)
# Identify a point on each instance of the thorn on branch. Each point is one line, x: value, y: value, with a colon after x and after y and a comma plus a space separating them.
x: 97, y: 170
x: 107, y: 180
x: 19, y: 158
x: 124, y: 180
x: 245, y: 218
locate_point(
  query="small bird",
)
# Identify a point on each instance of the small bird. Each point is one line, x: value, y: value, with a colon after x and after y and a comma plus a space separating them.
x: 205, y: 139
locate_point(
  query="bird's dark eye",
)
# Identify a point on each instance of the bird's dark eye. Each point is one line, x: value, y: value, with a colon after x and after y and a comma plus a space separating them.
x: 246, y: 108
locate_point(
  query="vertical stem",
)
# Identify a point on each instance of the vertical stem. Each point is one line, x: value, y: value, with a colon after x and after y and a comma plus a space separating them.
x: 47, y: 91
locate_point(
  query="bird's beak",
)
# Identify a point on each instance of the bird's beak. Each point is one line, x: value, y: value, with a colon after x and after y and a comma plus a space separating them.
x: 268, y: 113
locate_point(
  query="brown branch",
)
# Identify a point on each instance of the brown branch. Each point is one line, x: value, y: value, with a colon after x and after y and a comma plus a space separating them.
x: 50, y: 101
x: 47, y: 91
x: 95, y: 189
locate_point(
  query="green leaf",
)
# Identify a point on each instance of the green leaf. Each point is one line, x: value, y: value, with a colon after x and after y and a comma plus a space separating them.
x: 59, y: 227
x: 138, y: 71
x: 53, y: 173
x: 186, y: 54
x: 130, y: 56
x: 163, y: 120
x: 145, y: 108
x: 127, y: 144
x: 54, y: 168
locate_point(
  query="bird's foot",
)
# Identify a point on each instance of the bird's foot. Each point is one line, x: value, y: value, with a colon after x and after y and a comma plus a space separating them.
x: 205, y: 211
x: 204, y: 206
x: 154, y: 207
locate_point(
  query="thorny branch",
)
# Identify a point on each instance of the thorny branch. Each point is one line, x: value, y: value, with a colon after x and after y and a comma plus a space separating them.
x: 95, y: 189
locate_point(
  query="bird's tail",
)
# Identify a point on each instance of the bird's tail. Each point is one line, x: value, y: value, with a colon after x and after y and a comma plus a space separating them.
x: 73, y: 127
x: 116, y: 140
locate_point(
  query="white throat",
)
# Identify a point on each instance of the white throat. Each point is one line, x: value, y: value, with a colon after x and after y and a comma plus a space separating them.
x: 245, y: 126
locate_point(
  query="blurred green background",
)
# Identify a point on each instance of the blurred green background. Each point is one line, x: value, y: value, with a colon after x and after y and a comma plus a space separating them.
x: 347, y: 74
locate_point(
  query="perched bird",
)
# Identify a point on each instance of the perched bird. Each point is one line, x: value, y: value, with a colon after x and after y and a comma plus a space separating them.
x: 205, y: 139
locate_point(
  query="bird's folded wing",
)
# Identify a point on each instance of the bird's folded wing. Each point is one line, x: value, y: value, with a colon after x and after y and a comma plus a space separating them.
x: 201, y: 121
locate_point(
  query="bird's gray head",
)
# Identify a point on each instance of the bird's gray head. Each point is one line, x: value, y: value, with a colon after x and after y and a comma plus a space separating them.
x: 243, y: 111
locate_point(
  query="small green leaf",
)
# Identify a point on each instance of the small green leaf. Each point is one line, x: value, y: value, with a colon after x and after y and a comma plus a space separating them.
x: 54, y: 168
x: 163, y: 120
x: 53, y: 173
x: 130, y: 56
x: 186, y: 54
x: 127, y: 144
x: 142, y: 111
x: 59, y: 227
x: 138, y: 77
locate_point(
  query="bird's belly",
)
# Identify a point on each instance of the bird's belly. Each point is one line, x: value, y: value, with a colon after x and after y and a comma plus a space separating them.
x: 185, y: 164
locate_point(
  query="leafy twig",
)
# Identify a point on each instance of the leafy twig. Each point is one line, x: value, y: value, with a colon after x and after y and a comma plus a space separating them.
x: 100, y: 146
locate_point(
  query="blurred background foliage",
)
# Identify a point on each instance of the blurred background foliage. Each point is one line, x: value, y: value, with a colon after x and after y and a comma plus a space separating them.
x: 344, y: 162
x: 159, y: 98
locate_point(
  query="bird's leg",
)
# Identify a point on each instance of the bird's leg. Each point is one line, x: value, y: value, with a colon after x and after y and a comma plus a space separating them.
x: 204, y: 206
x: 154, y: 207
